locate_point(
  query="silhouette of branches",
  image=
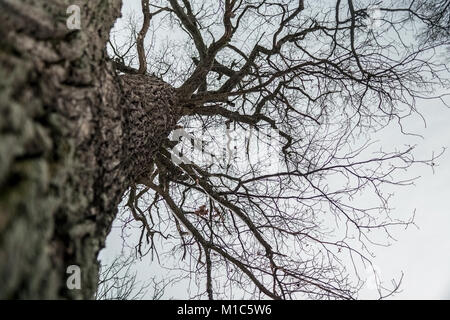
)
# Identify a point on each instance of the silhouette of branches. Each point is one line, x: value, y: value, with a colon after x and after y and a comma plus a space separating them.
x: 309, y: 84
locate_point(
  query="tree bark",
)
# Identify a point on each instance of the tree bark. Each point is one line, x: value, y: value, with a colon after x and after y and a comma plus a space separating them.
x: 73, y: 136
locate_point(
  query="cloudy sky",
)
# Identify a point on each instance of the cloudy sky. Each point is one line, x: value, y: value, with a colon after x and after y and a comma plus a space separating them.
x: 422, y: 253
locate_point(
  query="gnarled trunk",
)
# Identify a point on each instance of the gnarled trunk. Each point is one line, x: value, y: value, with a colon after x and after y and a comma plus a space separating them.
x: 73, y: 136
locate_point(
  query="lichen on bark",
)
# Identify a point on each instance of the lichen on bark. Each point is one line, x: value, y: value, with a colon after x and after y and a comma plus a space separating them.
x: 73, y: 136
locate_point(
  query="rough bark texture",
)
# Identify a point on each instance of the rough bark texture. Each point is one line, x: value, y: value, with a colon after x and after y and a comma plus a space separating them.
x: 73, y: 136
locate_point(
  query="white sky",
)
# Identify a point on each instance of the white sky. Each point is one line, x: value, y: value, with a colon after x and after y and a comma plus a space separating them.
x: 422, y: 254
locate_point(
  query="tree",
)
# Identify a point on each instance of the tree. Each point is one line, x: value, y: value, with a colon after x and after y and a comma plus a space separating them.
x: 79, y: 130
x: 436, y: 15
x: 118, y: 281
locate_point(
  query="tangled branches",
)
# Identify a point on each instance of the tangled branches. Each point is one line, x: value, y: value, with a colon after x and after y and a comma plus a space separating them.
x: 302, y: 86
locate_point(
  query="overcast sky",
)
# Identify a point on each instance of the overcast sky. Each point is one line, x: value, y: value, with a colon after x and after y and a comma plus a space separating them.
x: 422, y: 253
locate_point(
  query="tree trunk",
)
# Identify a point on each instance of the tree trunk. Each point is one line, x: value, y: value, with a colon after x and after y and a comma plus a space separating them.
x: 73, y: 136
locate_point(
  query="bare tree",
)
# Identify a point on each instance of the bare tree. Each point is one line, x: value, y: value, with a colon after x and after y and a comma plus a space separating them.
x: 309, y: 81
x: 316, y: 80
x: 118, y: 281
x: 436, y: 15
